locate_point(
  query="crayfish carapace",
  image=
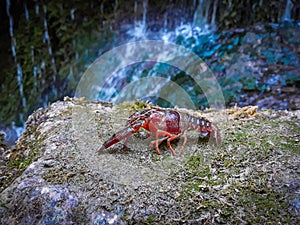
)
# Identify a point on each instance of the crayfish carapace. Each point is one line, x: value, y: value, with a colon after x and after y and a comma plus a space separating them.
x: 164, y: 124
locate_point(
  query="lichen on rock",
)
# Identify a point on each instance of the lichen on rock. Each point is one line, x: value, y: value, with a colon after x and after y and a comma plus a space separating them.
x: 54, y: 175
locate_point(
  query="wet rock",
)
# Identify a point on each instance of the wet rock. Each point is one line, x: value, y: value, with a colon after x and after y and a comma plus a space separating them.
x: 290, y: 34
x: 262, y: 67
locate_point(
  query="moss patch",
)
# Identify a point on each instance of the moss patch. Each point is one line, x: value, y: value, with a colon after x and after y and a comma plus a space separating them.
x: 244, y: 180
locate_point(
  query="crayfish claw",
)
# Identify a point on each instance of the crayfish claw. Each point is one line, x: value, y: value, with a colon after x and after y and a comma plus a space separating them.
x: 122, y: 134
x: 100, y: 149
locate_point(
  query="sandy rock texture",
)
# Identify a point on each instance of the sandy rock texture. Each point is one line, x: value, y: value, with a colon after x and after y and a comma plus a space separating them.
x: 54, y: 175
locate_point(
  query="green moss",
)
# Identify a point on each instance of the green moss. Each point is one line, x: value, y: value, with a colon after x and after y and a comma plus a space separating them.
x: 22, y: 162
x: 238, y: 180
x: 61, y: 175
x: 263, y: 205
x: 150, y: 219
x: 18, y: 161
x: 291, y: 145
x: 195, y: 162
x: 135, y: 106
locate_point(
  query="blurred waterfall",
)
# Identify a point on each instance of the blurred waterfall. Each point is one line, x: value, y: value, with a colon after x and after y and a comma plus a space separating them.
x: 18, y: 65
x: 48, y: 41
x: 202, y: 23
x: 287, y: 12
x: 140, y: 26
x: 205, y: 15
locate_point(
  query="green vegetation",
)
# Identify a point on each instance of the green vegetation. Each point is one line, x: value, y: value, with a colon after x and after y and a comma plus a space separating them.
x: 244, y: 180
x: 21, y: 156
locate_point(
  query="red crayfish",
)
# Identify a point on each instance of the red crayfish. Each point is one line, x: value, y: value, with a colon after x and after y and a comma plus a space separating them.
x: 164, y: 124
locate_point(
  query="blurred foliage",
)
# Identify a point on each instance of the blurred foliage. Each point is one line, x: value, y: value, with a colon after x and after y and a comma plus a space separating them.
x: 52, y: 47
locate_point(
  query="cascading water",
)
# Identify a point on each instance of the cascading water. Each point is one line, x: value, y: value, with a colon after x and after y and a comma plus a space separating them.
x: 287, y: 12
x: 13, y: 131
x: 14, y: 54
x: 203, y: 24
x: 48, y: 41
x: 138, y: 31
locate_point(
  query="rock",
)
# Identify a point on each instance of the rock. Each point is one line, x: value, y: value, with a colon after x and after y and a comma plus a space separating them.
x: 10, y: 134
x: 54, y: 176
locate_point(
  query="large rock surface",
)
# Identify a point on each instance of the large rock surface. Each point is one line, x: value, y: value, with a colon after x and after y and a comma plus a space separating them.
x: 54, y: 176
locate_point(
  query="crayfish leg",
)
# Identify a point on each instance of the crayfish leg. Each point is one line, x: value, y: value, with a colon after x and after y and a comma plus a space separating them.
x: 170, y: 137
x: 157, y: 142
x: 169, y: 144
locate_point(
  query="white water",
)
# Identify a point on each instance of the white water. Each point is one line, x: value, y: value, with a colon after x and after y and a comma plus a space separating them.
x: 47, y: 40
x: 202, y: 24
x: 14, y: 54
x: 287, y: 12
